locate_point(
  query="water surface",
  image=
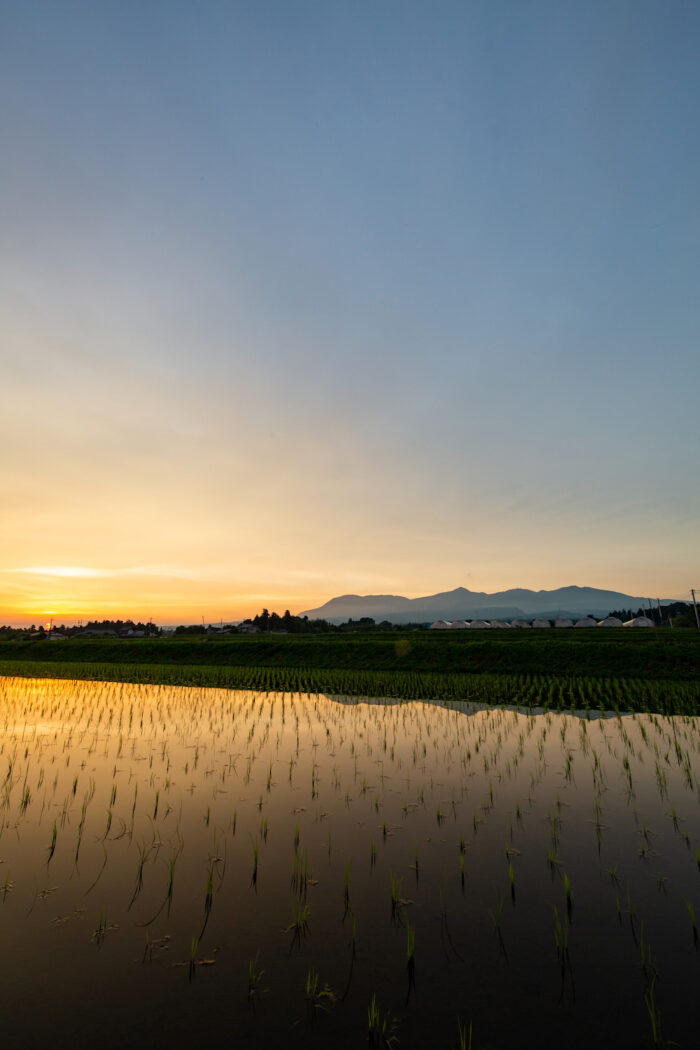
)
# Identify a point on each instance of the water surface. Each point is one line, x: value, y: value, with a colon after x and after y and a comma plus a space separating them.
x: 545, y: 867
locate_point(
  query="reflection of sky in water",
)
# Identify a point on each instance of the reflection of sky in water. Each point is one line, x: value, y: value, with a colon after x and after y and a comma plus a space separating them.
x: 140, y: 782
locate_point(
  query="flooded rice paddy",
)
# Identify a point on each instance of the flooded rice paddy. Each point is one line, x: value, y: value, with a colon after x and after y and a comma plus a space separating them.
x: 185, y: 865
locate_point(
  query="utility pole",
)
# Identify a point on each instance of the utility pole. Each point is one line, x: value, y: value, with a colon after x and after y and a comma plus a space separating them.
x: 697, y: 620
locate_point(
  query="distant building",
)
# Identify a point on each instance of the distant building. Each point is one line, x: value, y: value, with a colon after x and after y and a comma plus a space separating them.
x: 459, y: 625
x: 479, y: 625
x: 440, y: 625
x: 586, y: 621
x: 639, y: 621
x: 610, y: 621
x: 562, y: 621
x: 541, y: 623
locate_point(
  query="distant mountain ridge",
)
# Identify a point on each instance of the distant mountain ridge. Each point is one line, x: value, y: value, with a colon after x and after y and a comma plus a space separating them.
x: 464, y: 604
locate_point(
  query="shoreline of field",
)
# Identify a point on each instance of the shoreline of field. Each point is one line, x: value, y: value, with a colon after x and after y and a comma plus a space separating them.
x: 654, y: 671
x: 545, y: 692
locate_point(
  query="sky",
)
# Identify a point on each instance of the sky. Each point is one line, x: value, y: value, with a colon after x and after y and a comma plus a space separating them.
x: 305, y: 298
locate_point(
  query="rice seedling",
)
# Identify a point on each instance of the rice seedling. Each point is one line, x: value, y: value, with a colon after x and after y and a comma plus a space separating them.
x: 561, y: 935
x: 7, y: 887
x: 143, y: 852
x: 691, y: 914
x: 464, y: 1035
x: 299, y: 926
x: 553, y: 862
x: 569, y: 896
x: 398, y: 903
x: 208, y: 897
x: 646, y: 956
x: 52, y: 844
x: 410, y: 942
x: 301, y: 873
x: 317, y: 996
x: 654, y: 1014
x: 194, y: 945
x: 102, y: 929
x: 255, y: 976
x: 661, y: 881
x: 381, y: 1029
x: 256, y: 854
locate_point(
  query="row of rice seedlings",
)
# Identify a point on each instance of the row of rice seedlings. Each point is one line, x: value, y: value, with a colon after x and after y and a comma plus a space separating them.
x: 557, y: 693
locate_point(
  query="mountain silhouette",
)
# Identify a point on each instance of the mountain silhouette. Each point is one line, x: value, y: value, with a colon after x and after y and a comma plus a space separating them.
x: 465, y: 605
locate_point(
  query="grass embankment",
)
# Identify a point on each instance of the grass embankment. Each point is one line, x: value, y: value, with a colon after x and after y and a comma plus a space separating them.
x: 630, y: 670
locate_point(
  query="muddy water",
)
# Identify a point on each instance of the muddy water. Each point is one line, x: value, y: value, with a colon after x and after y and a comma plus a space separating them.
x: 544, y: 866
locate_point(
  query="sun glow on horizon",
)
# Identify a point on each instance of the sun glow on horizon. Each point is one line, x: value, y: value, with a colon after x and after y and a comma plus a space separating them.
x: 76, y: 571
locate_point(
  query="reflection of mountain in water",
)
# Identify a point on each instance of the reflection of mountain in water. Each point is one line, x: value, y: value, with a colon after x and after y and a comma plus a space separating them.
x: 466, y: 707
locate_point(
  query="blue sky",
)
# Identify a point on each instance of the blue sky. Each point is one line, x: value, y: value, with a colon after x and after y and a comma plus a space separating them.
x: 304, y: 298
